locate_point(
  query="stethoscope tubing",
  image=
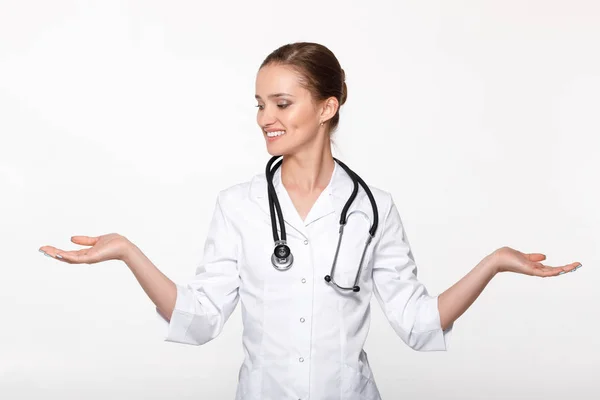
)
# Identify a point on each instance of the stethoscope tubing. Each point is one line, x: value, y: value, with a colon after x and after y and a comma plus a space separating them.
x: 282, y: 257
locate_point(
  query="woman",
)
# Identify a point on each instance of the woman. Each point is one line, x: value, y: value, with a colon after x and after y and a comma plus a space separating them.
x: 303, y: 335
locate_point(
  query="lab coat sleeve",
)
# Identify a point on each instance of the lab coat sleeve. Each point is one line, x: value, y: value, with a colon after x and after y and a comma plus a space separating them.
x: 411, y: 311
x: 204, y: 304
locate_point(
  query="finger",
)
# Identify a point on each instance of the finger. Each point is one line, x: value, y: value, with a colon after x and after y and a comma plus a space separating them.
x: 74, y: 257
x: 84, y: 240
x: 536, y: 256
x: 546, y: 270
x: 538, y: 269
x: 48, y: 251
x: 71, y: 257
x: 568, y: 268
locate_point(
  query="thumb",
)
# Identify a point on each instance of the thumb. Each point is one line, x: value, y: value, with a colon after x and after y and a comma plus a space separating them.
x: 536, y: 256
x: 84, y: 240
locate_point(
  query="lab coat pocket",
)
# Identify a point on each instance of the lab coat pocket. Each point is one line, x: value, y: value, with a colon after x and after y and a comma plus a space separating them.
x: 354, y: 383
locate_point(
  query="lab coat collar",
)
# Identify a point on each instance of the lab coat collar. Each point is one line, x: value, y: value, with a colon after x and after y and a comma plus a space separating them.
x: 331, y: 200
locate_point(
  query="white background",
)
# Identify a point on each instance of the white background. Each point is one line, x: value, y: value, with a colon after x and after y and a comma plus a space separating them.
x: 480, y: 117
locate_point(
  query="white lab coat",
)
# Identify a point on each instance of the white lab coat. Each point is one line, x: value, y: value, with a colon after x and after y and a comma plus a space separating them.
x: 303, y: 338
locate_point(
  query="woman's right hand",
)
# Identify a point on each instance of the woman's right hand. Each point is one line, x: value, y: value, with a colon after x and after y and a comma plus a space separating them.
x: 106, y: 247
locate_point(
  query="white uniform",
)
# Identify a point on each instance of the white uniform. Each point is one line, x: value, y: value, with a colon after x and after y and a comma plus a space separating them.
x: 303, y: 338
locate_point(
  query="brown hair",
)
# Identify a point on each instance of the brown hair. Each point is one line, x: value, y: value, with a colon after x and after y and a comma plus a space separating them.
x: 320, y: 71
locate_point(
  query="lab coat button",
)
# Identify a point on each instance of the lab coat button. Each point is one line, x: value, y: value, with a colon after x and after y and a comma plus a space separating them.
x: 302, y: 320
x: 301, y: 359
x: 306, y: 242
x: 303, y: 280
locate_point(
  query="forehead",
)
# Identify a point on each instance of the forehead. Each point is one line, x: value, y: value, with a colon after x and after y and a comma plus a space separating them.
x: 275, y: 78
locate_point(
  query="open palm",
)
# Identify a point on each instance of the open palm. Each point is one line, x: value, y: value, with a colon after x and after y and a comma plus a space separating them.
x: 510, y: 260
x: 106, y: 247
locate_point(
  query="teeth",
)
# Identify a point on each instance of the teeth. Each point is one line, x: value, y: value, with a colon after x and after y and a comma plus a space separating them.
x: 273, y: 134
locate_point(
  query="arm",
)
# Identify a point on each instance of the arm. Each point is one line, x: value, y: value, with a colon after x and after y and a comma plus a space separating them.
x: 112, y: 246
x: 161, y: 290
x: 197, y: 311
x: 206, y: 302
x: 459, y: 297
x: 410, y: 310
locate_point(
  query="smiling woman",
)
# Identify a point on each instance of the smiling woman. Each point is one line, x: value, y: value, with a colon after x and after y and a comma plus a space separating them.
x: 300, y: 88
x: 304, y: 337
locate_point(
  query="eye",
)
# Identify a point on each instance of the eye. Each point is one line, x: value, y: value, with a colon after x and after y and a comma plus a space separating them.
x: 259, y: 106
x: 284, y: 105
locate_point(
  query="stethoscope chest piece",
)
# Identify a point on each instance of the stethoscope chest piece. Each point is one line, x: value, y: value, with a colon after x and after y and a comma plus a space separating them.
x: 282, y: 258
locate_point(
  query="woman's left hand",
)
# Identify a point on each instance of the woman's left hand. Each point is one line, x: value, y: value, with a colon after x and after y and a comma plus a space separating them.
x: 506, y: 259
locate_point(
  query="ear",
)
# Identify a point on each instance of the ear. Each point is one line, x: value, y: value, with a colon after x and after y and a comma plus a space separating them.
x: 328, y: 109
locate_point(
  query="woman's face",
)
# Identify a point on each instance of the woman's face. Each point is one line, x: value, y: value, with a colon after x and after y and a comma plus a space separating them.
x: 287, y: 113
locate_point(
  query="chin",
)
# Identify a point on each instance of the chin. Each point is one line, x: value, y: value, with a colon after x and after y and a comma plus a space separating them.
x: 279, y: 149
x: 275, y: 151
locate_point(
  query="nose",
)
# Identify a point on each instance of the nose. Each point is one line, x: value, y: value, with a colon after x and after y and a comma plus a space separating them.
x: 265, y: 117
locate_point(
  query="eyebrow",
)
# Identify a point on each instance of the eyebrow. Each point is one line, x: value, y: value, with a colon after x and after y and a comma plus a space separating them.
x: 274, y: 95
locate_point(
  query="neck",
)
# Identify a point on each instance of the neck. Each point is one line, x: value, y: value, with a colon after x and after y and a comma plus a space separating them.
x: 307, y: 172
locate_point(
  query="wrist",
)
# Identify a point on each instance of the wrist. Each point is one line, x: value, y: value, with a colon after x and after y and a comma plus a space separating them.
x: 128, y: 250
x: 490, y: 264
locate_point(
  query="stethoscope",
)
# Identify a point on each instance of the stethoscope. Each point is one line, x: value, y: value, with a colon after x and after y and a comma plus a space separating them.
x: 282, y: 258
